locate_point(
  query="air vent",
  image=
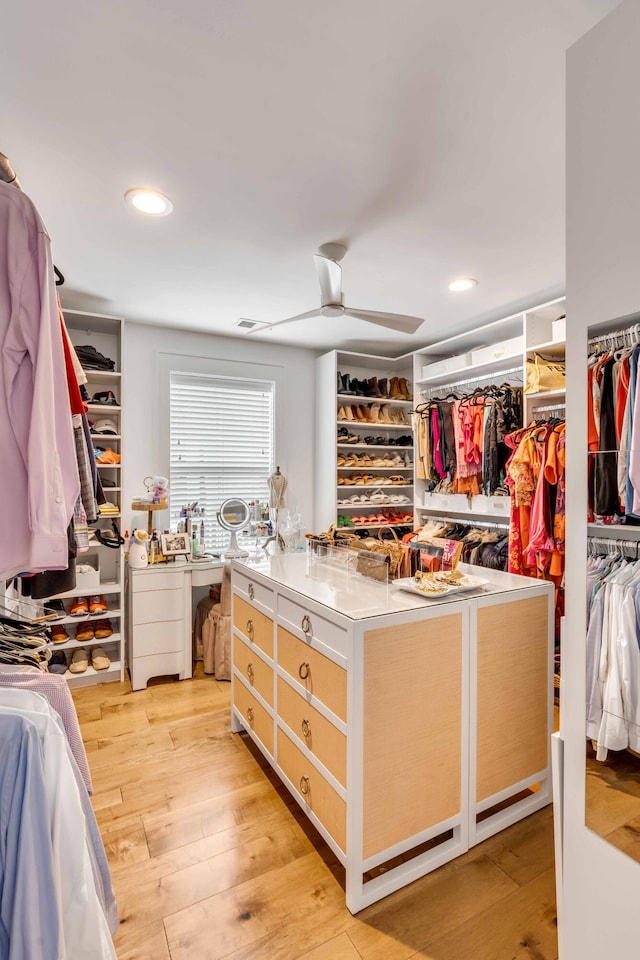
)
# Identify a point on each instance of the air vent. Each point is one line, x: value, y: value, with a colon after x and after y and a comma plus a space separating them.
x: 245, y: 324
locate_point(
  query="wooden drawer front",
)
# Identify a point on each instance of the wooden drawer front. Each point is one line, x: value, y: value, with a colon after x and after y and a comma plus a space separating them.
x: 254, y: 714
x: 320, y: 676
x: 254, y: 590
x: 254, y: 670
x: 151, y: 638
x: 412, y: 736
x: 162, y: 580
x: 313, y: 626
x: 152, y: 606
x: 329, y: 808
x: 513, y: 664
x: 324, y: 740
x: 253, y: 624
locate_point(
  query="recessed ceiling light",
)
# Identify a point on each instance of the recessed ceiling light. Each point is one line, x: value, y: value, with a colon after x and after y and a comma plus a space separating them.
x: 149, y: 200
x: 464, y: 283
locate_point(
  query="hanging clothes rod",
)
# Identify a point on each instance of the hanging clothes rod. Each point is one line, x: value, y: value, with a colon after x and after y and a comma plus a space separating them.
x: 632, y: 332
x: 549, y: 407
x: 8, y: 175
x: 487, y: 377
x: 490, y: 524
x: 613, y: 545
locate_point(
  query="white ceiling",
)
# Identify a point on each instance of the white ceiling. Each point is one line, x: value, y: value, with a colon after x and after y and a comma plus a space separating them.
x: 427, y: 136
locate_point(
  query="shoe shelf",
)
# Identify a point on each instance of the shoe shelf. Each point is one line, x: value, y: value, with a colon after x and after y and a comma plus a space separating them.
x: 104, y: 408
x: 91, y: 675
x: 370, y: 504
x: 109, y: 615
x: 106, y: 335
x: 371, y: 486
x: 370, y: 398
x: 350, y: 398
x: 73, y: 644
x: 375, y: 446
x: 375, y: 425
x: 104, y: 588
x: 372, y: 526
x: 105, y: 375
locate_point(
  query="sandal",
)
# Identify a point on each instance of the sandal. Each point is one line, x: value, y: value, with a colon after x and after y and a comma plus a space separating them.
x: 99, y: 659
x: 79, y: 661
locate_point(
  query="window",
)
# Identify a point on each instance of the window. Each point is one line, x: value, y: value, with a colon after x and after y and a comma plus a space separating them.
x: 221, y: 436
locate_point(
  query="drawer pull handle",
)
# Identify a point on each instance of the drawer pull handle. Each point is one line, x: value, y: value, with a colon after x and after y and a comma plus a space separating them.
x: 250, y: 673
x: 250, y: 715
x: 250, y: 629
x: 251, y: 592
x: 306, y: 728
x: 303, y: 671
x: 305, y: 786
x: 306, y: 624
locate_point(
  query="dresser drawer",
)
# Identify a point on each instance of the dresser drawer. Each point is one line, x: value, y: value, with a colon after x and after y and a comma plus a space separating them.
x: 255, y: 591
x: 318, y: 795
x: 256, y: 626
x: 152, y: 606
x: 321, y: 677
x: 313, y: 627
x: 254, y: 714
x: 163, y: 637
x: 253, y: 669
x: 157, y: 580
x: 320, y: 736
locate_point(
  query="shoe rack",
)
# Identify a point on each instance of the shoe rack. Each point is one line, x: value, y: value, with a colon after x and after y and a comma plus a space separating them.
x: 364, y: 441
x: 105, y: 334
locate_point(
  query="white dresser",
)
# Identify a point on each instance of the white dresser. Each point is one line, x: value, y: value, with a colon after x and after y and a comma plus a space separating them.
x: 160, y: 618
x: 407, y: 730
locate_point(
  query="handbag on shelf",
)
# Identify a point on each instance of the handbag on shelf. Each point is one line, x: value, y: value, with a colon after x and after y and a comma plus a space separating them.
x: 373, y: 565
x: 395, y: 550
x: 544, y: 375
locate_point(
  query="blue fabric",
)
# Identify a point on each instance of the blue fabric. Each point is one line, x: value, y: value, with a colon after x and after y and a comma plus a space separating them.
x: 29, y: 925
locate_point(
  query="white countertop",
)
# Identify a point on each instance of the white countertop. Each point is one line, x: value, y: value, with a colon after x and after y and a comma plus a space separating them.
x: 339, y: 588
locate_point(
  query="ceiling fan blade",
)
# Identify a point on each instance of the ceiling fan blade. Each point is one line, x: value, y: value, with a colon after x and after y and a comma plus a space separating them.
x: 300, y: 316
x: 330, y: 279
x: 394, y: 321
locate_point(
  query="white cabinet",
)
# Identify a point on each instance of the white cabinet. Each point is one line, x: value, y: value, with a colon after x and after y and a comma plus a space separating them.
x: 364, y: 441
x: 492, y: 353
x: 105, y: 333
x: 160, y: 618
x: 407, y: 733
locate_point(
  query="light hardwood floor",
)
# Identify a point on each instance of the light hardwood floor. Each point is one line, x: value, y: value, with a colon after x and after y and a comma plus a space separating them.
x: 212, y: 859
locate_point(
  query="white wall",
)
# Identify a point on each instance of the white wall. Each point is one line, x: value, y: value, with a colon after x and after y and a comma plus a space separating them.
x: 601, y: 885
x: 151, y: 352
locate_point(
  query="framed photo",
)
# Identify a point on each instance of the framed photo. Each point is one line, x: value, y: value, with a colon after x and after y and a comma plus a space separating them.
x: 175, y: 544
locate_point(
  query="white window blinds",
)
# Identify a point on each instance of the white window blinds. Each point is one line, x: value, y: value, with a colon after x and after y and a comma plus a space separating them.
x: 222, y: 442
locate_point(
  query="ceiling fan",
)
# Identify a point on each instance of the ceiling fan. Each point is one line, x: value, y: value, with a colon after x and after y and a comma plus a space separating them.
x: 329, y: 271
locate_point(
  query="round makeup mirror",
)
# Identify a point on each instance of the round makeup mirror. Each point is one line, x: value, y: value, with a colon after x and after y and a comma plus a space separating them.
x: 234, y: 515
